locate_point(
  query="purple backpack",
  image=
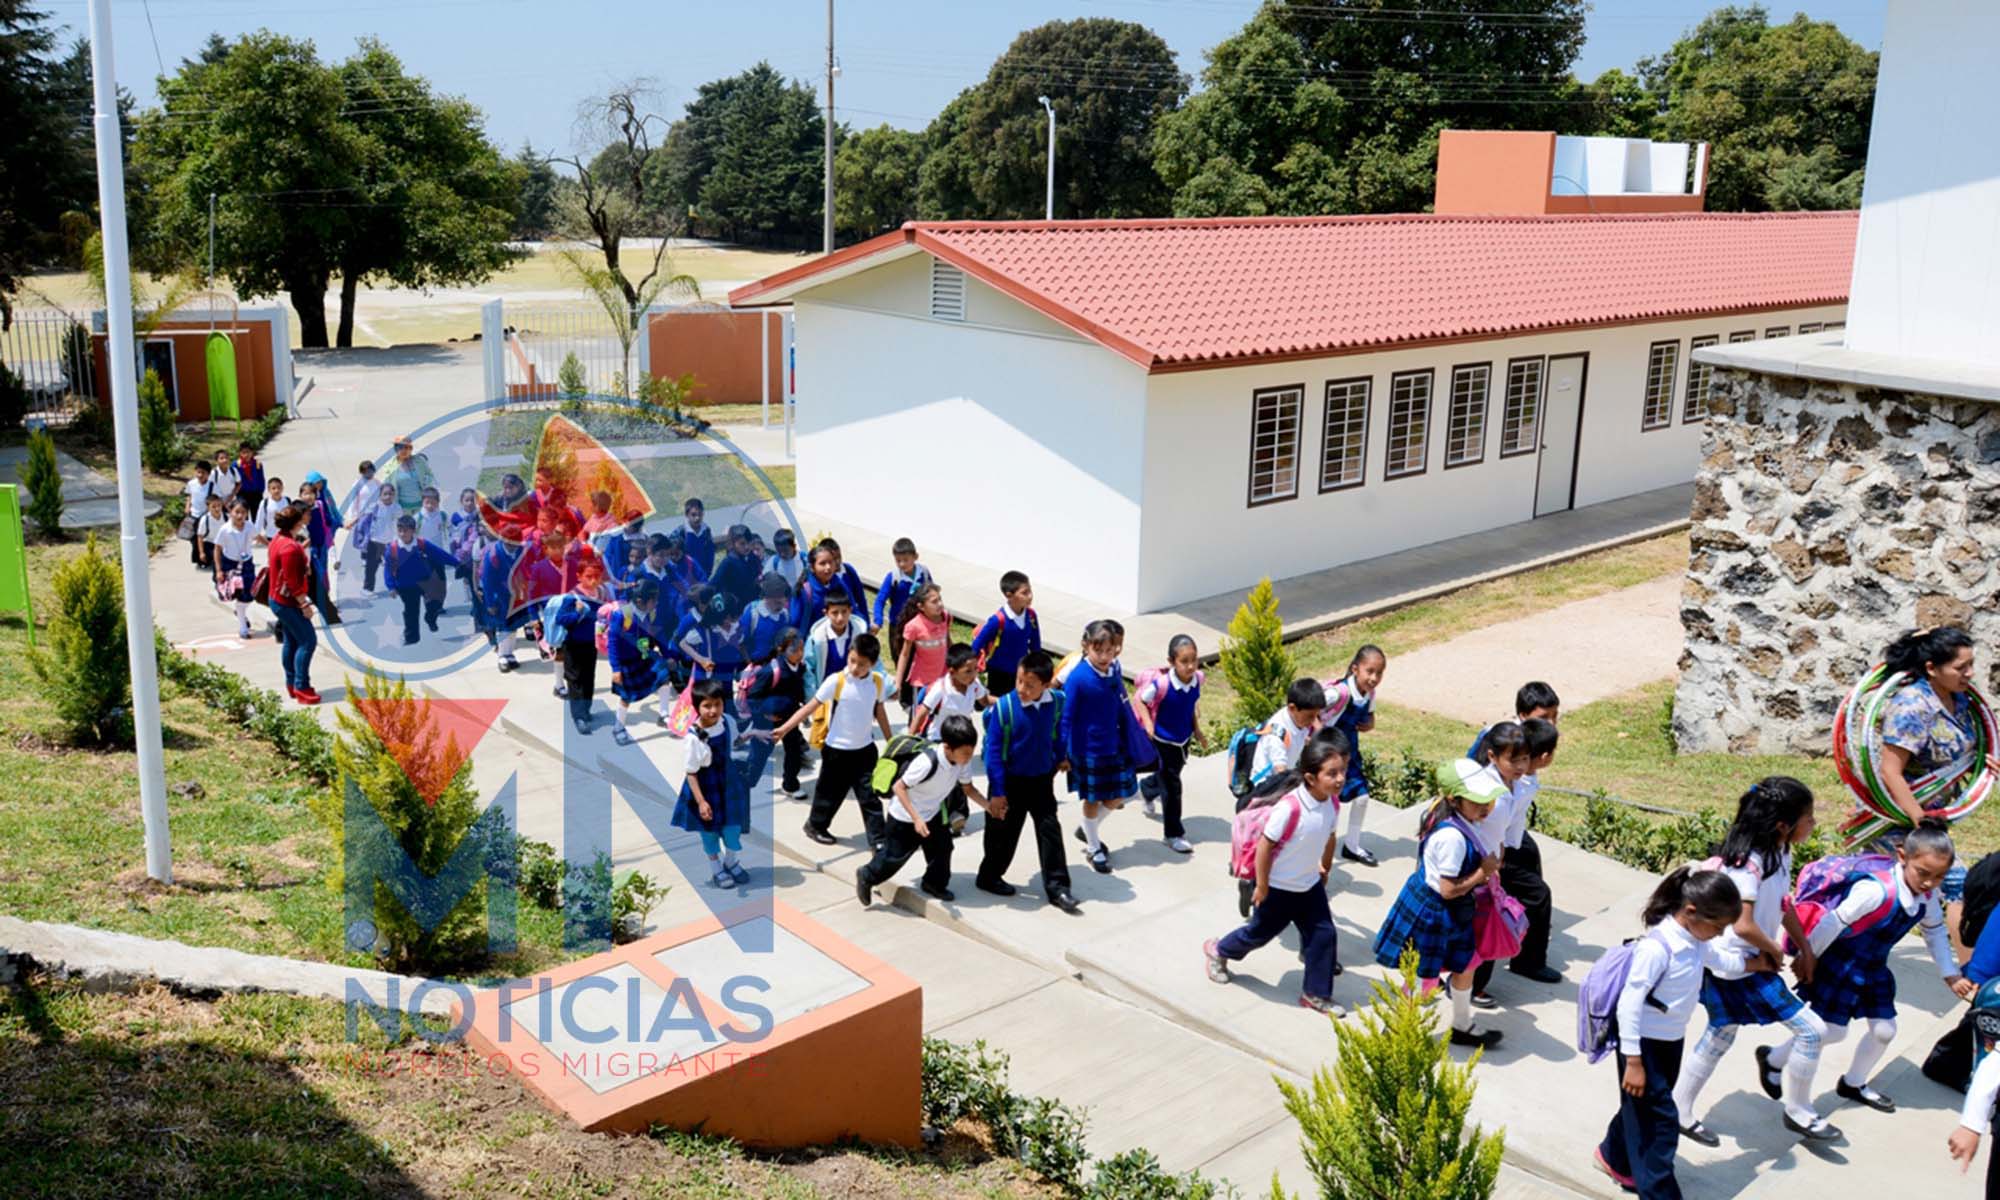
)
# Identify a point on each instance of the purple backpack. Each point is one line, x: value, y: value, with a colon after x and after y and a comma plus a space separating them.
x: 1597, y: 1002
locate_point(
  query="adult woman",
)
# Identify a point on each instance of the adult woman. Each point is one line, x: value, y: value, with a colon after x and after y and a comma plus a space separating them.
x: 1928, y: 724
x: 291, y: 600
x: 411, y: 473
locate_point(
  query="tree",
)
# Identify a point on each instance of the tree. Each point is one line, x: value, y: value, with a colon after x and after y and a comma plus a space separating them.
x: 539, y: 187
x: 614, y: 198
x: 42, y: 477
x: 46, y: 169
x: 625, y: 304
x: 1109, y: 81
x: 875, y: 180
x: 764, y: 177
x: 1306, y: 112
x: 1255, y: 659
x: 83, y: 673
x: 1785, y: 108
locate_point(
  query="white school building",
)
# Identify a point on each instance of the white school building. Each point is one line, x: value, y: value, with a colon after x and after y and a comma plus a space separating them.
x: 1148, y: 412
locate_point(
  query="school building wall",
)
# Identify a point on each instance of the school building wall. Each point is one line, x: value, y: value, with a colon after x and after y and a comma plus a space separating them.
x: 1012, y: 449
x: 262, y: 340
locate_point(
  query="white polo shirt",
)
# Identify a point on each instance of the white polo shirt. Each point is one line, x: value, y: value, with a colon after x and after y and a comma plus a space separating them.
x: 1667, y: 966
x: 851, y: 722
x: 1299, y: 826
x: 1279, y: 749
x: 945, y: 700
x: 1731, y: 951
x: 928, y: 786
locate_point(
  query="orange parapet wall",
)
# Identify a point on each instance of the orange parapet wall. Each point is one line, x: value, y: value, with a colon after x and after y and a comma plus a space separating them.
x: 728, y: 353
x: 1494, y: 171
x: 807, y: 1044
x: 184, y: 343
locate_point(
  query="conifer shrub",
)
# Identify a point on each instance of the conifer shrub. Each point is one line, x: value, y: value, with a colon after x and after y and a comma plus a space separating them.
x: 44, y: 483
x: 1255, y: 659
x: 161, y: 447
x: 83, y: 672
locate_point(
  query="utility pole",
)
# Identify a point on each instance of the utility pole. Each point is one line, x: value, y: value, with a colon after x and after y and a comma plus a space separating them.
x: 831, y: 71
x: 1051, y: 205
x: 125, y: 426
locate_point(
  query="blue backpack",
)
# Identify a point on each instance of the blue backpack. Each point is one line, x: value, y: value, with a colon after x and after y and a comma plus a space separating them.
x: 1597, y: 1001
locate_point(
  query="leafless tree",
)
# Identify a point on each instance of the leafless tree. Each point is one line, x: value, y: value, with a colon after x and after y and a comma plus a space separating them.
x: 615, y: 134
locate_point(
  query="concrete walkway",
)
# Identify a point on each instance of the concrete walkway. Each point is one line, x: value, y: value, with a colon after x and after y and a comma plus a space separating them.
x: 90, y: 500
x: 1309, y: 603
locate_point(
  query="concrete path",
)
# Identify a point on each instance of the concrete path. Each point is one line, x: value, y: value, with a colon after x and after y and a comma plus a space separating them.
x: 90, y: 499
x: 1586, y: 650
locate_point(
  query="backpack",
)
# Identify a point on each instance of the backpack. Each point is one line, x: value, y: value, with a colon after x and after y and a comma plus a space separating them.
x: 822, y: 717
x: 1825, y: 883
x: 1160, y: 679
x: 1982, y: 893
x: 1248, y: 828
x: 1239, y: 758
x: 1597, y: 1001
x: 1001, y: 616
x: 902, y: 750
x: 1003, y: 713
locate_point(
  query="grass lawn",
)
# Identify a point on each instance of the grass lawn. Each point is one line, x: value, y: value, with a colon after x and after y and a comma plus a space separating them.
x: 152, y: 1094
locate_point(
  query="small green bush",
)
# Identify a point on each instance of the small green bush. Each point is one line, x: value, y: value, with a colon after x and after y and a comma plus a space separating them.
x: 541, y: 873
x: 161, y: 447
x: 13, y: 400
x: 84, y: 673
x: 971, y: 1082
x: 258, y: 711
x: 633, y: 898
x: 1254, y: 656
x: 1414, y: 780
x: 1137, y: 1175
x: 44, y: 482
x: 570, y: 379
x: 1649, y: 841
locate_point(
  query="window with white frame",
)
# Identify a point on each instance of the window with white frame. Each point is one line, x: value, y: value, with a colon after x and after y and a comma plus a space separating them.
x: 1344, y: 447
x: 1745, y: 335
x: 1834, y: 325
x: 1810, y: 327
x: 1274, y: 443
x: 1658, y: 412
x: 1521, y: 419
x: 1465, y: 426
x: 1777, y: 331
x: 1694, y: 405
x: 1409, y: 423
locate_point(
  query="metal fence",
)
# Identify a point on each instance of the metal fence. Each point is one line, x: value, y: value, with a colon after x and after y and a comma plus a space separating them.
x: 48, y: 351
x: 554, y: 348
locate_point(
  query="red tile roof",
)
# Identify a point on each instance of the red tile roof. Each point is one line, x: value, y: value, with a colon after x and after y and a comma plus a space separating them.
x: 1181, y: 294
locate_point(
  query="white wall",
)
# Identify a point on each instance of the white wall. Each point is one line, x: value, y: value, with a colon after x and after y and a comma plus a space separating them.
x: 1009, y: 449
x: 1927, y: 260
x: 1201, y: 537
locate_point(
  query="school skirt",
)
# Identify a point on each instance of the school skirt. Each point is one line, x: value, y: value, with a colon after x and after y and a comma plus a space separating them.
x: 729, y: 805
x: 239, y: 578
x: 1356, y: 785
x: 638, y: 683
x: 1104, y: 777
x: 1759, y: 998
x: 1844, y: 989
x: 1441, y: 930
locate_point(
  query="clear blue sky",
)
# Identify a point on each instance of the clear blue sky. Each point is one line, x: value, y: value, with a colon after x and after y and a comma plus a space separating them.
x: 527, y: 64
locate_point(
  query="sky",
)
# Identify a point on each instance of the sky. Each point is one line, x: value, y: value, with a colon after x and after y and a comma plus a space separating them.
x: 527, y: 64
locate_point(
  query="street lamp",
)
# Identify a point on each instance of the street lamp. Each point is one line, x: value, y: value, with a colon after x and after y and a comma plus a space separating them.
x: 1050, y: 207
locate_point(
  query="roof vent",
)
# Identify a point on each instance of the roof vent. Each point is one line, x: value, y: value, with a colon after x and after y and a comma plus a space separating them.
x: 947, y: 292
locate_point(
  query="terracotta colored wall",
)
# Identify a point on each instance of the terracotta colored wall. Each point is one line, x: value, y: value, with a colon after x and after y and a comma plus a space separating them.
x: 256, y: 376
x: 1626, y: 204
x: 1494, y: 171
x: 720, y: 349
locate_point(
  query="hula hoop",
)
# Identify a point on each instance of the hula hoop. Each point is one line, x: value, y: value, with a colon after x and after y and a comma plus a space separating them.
x: 1857, y: 756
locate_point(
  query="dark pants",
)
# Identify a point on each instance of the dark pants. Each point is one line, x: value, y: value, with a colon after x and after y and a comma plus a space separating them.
x: 1646, y: 1133
x: 841, y: 772
x: 1521, y: 876
x: 322, y: 595
x: 198, y: 550
x: 999, y: 683
x: 579, y: 663
x: 1166, y: 787
x: 1318, y: 939
x: 371, y: 562
x: 296, y: 643
x: 900, y: 841
x: 1029, y: 797
x: 415, y: 602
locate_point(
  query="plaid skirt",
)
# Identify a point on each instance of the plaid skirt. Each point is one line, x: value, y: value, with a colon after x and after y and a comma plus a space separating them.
x: 1759, y: 998
x: 1106, y: 777
x: 1441, y: 930
x: 641, y: 682
x: 1844, y: 989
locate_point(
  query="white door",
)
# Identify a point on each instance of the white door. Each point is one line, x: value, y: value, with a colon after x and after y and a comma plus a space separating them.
x: 1562, y: 422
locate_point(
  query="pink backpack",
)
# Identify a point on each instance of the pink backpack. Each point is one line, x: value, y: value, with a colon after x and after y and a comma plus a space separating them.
x: 1161, y: 676
x: 1248, y: 828
x: 1822, y: 885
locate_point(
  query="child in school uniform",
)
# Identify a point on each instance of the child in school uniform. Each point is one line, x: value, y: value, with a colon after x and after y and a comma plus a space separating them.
x: 1012, y: 633
x: 925, y: 629
x: 711, y: 646
x: 897, y: 587
x: 1167, y: 704
x: 1686, y: 913
x: 915, y: 821
x: 764, y: 619
x: 412, y: 569
x: 713, y: 803
x: 638, y: 668
x: 614, y: 546
x: 1097, y: 733
x: 1350, y: 708
x: 601, y: 519
x: 1283, y: 738
x: 1982, y: 1096
x: 212, y: 521
x: 1023, y: 754
x: 739, y: 569
x: 264, y: 517
x: 322, y: 529
x: 785, y: 561
x: 828, y: 640
x: 1851, y: 944
x: 468, y: 541
x: 1434, y: 911
x: 249, y: 474
x: 198, y: 491
x: 497, y: 616
x: 776, y: 690
x: 697, y: 539
x: 849, y: 579
x: 234, y: 547
x: 1743, y: 986
x: 959, y: 690
x: 373, y: 533
x: 822, y: 579
x: 223, y: 479
x: 569, y: 623
x: 360, y: 493
x: 1293, y: 858
x: 1537, y: 710
x: 853, y: 699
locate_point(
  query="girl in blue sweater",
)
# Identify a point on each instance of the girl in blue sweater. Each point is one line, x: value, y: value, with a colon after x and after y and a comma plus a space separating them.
x: 1096, y: 734
x: 1166, y: 705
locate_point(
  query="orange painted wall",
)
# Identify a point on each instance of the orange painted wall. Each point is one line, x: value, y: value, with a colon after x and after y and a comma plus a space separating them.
x: 256, y: 376
x: 1494, y: 171
x: 720, y: 349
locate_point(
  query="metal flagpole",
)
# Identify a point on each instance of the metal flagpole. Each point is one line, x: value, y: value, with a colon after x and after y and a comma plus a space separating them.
x: 125, y: 425
x: 1051, y: 206
x: 831, y: 71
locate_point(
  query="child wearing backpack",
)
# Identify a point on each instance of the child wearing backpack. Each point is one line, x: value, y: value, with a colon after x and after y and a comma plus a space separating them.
x: 638, y: 667
x: 1006, y: 638
x: 1166, y: 705
x: 1880, y: 899
x: 1663, y: 978
x: 1981, y: 1097
x: 958, y: 692
x: 1293, y: 851
x: 1434, y: 912
x: 1282, y: 739
x: 775, y: 689
x: 923, y: 633
x: 1743, y: 986
x: 1096, y: 732
x: 918, y: 793
x: 1350, y: 708
x: 711, y: 804
x: 852, y: 700
x: 1023, y: 754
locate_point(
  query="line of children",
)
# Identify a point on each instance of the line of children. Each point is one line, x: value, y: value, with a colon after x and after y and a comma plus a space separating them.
x: 1097, y: 733
x: 897, y: 586
x: 1023, y: 754
x: 1004, y: 640
x: 234, y: 555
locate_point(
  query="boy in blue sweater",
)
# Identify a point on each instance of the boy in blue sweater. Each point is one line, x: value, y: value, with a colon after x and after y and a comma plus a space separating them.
x: 895, y: 592
x: 696, y: 537
x: 737, y: 573
x: 1022, y: 758
x: 763, y: 620
x: 1006, y: 638
x: 412, y: 568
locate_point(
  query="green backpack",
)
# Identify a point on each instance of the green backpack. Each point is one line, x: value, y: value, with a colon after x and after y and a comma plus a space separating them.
x: 902, y: 750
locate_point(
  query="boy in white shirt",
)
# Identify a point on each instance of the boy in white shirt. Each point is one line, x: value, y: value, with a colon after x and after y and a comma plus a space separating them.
x: 268, y: 506
x: 847, y: 759
x: 1288, y: 730
x: 785, y: 561
x: 1521, y: 864
x: 379, y: 527
x: 198, y: 490
x: 917, y: 796
x: 235, y: 570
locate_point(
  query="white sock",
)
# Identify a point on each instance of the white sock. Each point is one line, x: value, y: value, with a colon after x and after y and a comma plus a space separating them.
x: 1801, y: 1061
x: 1358, y: 809
x: 1090, y: 833
x: 728, y: 857
x: 1781, y: 1054
x: 623, y: 710
x: 505, y: 647
x: 1868, y: 1052
x: 242, y: 613
x: 1699, y: 1065
x: 1461, y: 1008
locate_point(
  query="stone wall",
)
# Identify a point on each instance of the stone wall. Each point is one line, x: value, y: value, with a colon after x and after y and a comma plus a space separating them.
x: 1827, y: 520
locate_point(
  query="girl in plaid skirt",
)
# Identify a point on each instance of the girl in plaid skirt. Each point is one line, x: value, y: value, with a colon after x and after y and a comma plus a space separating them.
x: 1851, y: 980
x: 1097, y: 733
x: 1743, y: 986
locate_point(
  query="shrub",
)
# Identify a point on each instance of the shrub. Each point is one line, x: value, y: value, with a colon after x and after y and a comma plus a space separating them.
x: 664, y: 398
x: 1389, y: 1118
x: 971, y: 1082
x: 258, y: 711
x: 161, y: 447
x: 13, y: 400
x: 570, y: 380
x: 1255, y: 659
x: 633, y: 898
x: 1649, y: 841
x: 44, y: 482
x: 84, y: 673
x: 540, y: 873
x: 1414, y: 780
x: 1137, y: 1175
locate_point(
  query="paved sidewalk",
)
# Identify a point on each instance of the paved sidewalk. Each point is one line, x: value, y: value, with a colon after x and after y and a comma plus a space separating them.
x: 90, y: 500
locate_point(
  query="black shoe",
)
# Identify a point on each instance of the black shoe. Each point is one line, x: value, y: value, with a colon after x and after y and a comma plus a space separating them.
x: 1818, y: 1131
x: 863, y: 890
x: 819, y: 835
x: 1878, y: 1102
x: 1770, y: 1078
x: 432, y: 621
x: 1337, y: 968
x: 1360, y: 856
x: 1061, y: 898
x: 583, y: 725
x: 1541, y: 974
x: 1484, y: 1000
x: 1484, y: 1040
x: 1100, y: 861
x: 509, y: 664
x: 998, y: 887
x: 942, y: 893
x: 1695, y: 1131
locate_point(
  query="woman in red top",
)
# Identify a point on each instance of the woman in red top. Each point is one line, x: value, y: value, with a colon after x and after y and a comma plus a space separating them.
x: 291, y: 601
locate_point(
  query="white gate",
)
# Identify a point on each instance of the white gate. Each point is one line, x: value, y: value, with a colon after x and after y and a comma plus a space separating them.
x: 49, y: 352
x: 555, y: 349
